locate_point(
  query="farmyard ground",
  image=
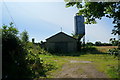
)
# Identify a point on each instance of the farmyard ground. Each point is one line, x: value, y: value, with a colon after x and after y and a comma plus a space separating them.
x: 82, y: 65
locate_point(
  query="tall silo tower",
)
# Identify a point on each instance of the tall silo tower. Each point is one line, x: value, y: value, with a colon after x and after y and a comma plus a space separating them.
x: 79, y: 26
x: 79, y: 29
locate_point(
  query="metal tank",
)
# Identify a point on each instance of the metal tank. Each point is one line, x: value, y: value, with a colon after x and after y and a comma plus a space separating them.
x: 79, y: 26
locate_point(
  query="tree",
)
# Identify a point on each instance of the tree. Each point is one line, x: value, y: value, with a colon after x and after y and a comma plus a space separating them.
x: 17, y: 59
x: 114, y: 42
x: 24, y: 36
x: 89, y: 44
x: 98, y: 43
x: 14, y: 54
x: 96, y: 10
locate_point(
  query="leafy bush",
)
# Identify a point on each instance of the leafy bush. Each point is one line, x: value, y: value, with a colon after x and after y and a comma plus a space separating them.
x: 17, y: 62
x: 13, y: 54
x: 35, y: 64
x: 114, y: 51
x: 34, y: 48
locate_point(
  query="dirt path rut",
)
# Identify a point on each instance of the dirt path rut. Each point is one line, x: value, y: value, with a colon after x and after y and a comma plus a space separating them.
x: 79, y: 69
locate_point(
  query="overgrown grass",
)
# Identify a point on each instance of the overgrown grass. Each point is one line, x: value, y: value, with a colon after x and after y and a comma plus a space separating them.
x: 105, y: 63
x: 53, y: 63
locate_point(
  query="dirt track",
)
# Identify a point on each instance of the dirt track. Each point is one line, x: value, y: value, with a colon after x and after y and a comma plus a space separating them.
x: 79, y: 69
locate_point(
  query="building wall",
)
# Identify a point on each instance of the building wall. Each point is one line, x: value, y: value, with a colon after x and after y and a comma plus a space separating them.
x: 63, y: 42
x: 72, y: 47
x: 50, y: 46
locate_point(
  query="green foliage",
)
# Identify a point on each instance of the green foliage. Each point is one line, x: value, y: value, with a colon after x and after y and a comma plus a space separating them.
x: 114, y: 51
x: 98, y: 43
x: 114, y: 42
x: 35, y: 48
x: 76, y: 36
x: 106, y: 44
x: 13, y: 54
x: 38, y: 66
x: 89, y: 44
x: 97, y: 10
x: 17, y: 61
x: 9, y: 30
x: 35, y: 64
x: 24, y: 36
x: 113, y: 71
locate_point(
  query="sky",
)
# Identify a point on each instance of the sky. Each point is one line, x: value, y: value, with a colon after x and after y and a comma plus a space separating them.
x: 44, y: 19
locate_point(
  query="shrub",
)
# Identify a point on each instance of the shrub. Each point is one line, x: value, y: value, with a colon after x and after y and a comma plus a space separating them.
x: 114, y: 51
x: 13, y: 54
x: 17, y: 62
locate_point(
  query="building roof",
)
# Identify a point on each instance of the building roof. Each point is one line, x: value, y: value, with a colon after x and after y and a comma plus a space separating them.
x: 61, y: 33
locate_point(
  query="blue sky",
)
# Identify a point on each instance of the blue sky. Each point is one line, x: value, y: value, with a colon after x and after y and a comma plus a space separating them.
x: 44, y: 19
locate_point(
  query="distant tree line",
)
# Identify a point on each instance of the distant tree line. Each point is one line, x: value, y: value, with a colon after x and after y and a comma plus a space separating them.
x: 98, y: 43
x: 112, y: 42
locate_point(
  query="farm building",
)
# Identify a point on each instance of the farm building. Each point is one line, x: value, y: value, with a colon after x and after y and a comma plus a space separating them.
x: 61, y: 42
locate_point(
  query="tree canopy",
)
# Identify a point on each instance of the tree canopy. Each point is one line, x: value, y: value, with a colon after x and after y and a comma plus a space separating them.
x: 96, y: 10
x: 24, y: 36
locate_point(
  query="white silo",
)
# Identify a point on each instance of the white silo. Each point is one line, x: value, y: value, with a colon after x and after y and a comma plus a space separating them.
x: 79, y: 26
